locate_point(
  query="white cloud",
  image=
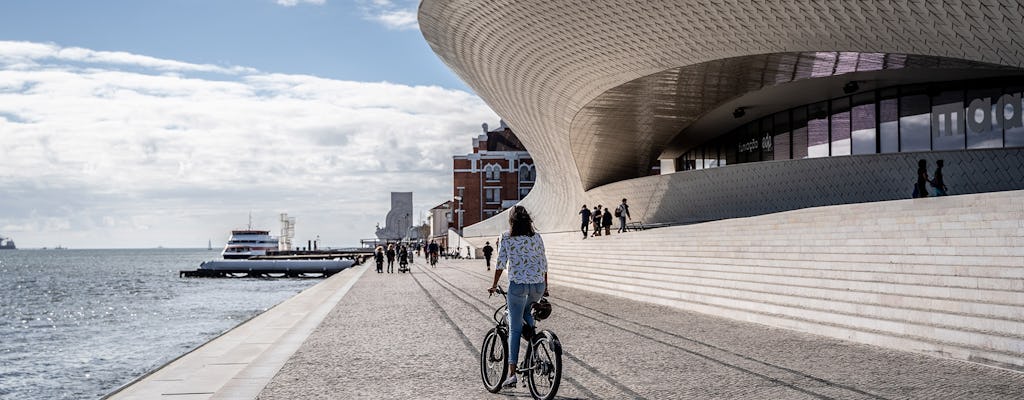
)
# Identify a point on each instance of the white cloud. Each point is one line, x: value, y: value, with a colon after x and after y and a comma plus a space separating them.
x: 400, y: 15
x: 293, y: 3
x: 17, y: 55
x: 122, y: 147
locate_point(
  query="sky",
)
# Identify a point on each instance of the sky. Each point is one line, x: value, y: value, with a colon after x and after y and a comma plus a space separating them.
x: 135, y: 124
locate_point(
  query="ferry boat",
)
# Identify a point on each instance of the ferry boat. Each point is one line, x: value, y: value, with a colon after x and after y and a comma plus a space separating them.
x: 246, y: 243
x: 7, y: 243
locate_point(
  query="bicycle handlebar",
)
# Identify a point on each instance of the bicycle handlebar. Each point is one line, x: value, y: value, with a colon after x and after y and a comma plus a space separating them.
x: 497, y: 290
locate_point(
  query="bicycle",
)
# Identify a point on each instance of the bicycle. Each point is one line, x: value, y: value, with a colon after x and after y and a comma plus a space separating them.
x: 541, y: 365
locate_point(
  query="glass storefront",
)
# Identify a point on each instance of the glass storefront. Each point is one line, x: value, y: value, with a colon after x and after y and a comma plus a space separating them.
x: 937, y: 116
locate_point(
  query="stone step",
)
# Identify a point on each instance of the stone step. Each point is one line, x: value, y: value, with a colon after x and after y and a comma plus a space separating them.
x: 968, y: 338
x: 919, y: 342
x: 853, y: 299
x: 809, y: 247
x: 680, y: 236
x: 795, y: 270
x: 796, y: 255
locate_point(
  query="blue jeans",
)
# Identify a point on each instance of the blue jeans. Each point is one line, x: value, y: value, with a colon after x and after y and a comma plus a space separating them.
x: 520, y: 295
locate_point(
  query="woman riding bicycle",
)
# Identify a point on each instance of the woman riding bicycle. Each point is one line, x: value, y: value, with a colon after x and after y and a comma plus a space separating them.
x: 521, y: 250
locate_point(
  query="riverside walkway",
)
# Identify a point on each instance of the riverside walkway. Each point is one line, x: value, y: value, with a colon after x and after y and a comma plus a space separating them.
x: 417, y: 336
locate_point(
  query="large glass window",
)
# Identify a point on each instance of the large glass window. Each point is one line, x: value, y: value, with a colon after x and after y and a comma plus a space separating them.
x: 947, y: 119
x: 915, y: 119
x: 984, y: 130
x: 888, y: 121
x: 1013, y: 116
x: 941, y: 116
x: 817, y: 130
x: 862, y: 124
x: 840, y: 125
x: 780, y: 136
x: 799, y: 133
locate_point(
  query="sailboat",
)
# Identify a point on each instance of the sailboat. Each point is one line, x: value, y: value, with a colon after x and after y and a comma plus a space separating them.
x: 209, y: 244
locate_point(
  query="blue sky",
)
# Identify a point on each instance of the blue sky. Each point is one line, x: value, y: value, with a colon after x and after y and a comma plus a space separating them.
x: 340, y: 39
x: 144, y: 123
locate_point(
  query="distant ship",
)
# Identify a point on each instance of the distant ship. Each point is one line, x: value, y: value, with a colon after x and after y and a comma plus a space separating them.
x: 7, y: 243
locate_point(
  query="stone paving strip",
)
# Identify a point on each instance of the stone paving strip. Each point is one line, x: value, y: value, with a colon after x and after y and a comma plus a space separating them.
x: 239, y: 363
x: 417, y: 335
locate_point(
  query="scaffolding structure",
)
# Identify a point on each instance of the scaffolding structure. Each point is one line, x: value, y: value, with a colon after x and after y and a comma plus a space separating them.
x: 284, y: 242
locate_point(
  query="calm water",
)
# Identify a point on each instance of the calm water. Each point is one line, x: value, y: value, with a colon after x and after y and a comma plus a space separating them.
x: 79, y: 323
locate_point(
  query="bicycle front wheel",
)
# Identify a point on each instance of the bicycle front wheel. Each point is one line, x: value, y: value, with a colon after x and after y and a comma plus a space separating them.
x: 493, y: 360
x: 546, y: 359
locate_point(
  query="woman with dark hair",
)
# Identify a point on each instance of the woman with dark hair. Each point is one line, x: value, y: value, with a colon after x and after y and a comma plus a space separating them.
x: 521, y: 251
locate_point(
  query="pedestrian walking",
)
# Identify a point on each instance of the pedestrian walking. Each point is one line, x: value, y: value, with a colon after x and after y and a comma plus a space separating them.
x: 622, y: 212
x: 521, y: 251
x: 937, y: 182
x: 487, y: 254
x: 920, y: 190
x: 585, y: 212
x: 596, y: 219
x: 606, y: 221
x: 378, y: 256
x: 391, y: 258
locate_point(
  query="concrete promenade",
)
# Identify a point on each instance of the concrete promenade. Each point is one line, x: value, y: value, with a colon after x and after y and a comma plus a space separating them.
x: 417, y: 336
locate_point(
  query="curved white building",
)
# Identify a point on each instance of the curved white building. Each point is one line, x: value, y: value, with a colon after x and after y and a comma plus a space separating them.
x: 752, y: 108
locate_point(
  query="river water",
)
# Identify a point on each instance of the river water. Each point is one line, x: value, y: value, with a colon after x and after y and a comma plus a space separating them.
x: 77, y: 324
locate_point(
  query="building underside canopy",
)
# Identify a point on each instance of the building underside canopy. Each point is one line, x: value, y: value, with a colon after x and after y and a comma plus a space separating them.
x: 599, y: 90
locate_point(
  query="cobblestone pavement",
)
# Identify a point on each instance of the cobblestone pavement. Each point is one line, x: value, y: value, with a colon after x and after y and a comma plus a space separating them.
x: 417, y: 336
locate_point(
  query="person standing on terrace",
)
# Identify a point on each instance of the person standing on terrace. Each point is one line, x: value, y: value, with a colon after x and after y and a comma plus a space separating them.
x: 585, y: 212
x: 622, y: 211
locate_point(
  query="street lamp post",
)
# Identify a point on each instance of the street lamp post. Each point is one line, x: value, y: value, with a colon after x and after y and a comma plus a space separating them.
x: 459, y: 211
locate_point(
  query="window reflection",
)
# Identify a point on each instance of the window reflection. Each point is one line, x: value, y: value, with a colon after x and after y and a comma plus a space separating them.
x: 915, y: 120
x: 840, y: 127
x: 1013, y: 117
x: 888, y: 125
x: 984, y: 129
x: 863, y: 124
x: 799, y: 133
x: 947, y: 120
x: 817, y: 130
x: 780, y: 138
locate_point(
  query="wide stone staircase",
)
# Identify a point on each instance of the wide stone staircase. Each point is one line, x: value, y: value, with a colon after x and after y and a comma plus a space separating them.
x: 943, y: 276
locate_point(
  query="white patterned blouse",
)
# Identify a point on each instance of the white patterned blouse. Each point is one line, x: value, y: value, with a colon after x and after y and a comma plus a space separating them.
x: 525, y: 258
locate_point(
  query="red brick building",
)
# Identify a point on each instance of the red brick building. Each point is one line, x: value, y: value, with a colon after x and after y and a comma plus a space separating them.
x: 495, y: 176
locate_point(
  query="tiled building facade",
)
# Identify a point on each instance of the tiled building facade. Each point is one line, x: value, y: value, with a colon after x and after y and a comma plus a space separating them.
x: 495, y: 176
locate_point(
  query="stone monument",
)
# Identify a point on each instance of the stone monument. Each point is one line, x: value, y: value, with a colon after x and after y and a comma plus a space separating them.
x: 399, y: 219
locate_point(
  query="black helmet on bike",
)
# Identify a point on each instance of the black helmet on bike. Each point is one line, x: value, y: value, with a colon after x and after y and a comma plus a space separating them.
x: 541, y: 309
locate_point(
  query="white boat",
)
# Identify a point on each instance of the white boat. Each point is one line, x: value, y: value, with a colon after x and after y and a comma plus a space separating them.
x: 246, y: 243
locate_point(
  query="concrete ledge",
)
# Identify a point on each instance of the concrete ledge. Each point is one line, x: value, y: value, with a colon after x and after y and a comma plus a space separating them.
x: 240, y: 363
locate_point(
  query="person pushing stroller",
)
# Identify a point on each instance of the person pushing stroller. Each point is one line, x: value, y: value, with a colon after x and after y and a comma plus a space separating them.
x: 403, y: 259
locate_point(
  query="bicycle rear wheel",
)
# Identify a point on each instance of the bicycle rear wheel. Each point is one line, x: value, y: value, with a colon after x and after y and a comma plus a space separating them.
x: 546, y: 360
x: 494, y: 360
